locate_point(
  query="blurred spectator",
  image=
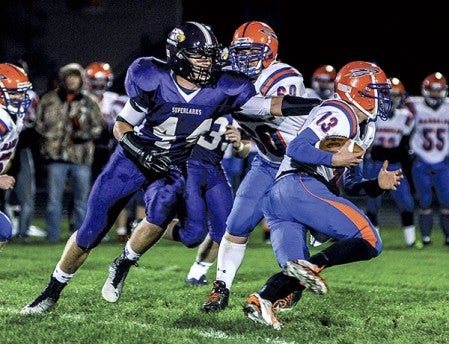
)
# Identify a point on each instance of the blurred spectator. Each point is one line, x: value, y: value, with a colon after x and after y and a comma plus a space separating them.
x: 68, y: 119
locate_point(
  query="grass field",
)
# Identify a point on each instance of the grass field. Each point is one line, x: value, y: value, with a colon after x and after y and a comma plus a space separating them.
x: 400, y: 297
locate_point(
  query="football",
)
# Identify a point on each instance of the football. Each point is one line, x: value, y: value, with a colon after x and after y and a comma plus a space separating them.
x: 334, y: 143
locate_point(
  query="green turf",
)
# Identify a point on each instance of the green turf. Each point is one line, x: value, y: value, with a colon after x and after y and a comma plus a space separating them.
x: 400, y: 297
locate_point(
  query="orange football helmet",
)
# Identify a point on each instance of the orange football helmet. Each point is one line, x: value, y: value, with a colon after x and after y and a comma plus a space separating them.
x: 99, y: 77
x: 14, y: 87
x: 397, y: 92
x: 365, y: 86
x: 323, y: 81
x: 434, y: 89
x: 254, y: 46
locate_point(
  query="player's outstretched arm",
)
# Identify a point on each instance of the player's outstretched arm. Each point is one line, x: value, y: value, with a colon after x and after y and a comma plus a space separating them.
x: 266, y: 107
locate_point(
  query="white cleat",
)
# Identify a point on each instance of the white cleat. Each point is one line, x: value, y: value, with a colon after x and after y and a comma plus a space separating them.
x: 38, y: 306
x: 308, y: 274
x: 260, y: 310
x: 118, y: 270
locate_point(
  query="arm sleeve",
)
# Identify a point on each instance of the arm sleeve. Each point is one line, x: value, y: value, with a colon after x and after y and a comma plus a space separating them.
x: 298, y: 106
x: 302, y: 149
x: 131, y: 113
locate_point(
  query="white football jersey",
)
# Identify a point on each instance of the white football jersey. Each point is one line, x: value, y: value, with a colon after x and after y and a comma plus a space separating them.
x: 390, y: 132
x: 272, y: 136
x: 111, y: 104
x: 430, y: 138
x: 9, y: 137
x: 332, y: 117
x: 311, y: 93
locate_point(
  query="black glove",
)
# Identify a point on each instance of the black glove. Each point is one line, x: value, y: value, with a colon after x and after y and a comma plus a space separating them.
x: 151, y: 159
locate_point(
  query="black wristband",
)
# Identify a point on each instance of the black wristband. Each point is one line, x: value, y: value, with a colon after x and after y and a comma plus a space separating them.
x: 298, y: 106
x: 132, y: 144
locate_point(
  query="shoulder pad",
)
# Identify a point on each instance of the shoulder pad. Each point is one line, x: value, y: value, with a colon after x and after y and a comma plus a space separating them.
x: 144, y: 74
x: 233, y: 83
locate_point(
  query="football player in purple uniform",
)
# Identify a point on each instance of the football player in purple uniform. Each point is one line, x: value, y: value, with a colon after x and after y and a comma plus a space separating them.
x: 171, y: 104
x: 209, y: 195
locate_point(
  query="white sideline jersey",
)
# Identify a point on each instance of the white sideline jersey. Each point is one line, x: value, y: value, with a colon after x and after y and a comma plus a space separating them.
x: 9, y: 137
x: 389, y: 133
x: 430, y: 138
x: 111, y: 104
x: 272, y: 135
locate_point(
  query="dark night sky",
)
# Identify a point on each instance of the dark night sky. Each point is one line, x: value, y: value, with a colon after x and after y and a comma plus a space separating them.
x: 409, y: 47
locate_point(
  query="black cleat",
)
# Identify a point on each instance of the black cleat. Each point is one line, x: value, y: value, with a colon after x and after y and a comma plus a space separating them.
x: 46, y: 300
x: 218, y: 298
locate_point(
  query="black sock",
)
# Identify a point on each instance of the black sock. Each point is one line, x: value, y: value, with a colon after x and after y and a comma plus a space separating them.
x: 279, y: 286
x: 343, y: 252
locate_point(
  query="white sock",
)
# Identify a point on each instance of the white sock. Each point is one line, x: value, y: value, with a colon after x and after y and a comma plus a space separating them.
x: 61, y: 276
x: 410, y: 235
x: 230, y: 257
x: 130, y: 254
x: 198, y: 269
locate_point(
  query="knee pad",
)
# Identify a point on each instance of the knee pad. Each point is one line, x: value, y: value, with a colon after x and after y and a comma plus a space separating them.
x: 191, y: 240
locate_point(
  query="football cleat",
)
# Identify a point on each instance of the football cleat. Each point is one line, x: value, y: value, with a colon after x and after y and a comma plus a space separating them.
x: 197, y: 282
x: 118, y: 270
x: 218, y: 298
x: 46, y: 300
x: 288, y: 302
x: 308, y: 274
x: 261, y: 311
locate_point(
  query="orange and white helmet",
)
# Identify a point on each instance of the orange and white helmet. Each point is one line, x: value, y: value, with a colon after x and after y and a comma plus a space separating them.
x: 365, y: 86
x: 323, y: 81
x: 397, y: 92
x: 434, y: 89
x: 99, y: 77
x: 14, y: 87
x: 254, y: 47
